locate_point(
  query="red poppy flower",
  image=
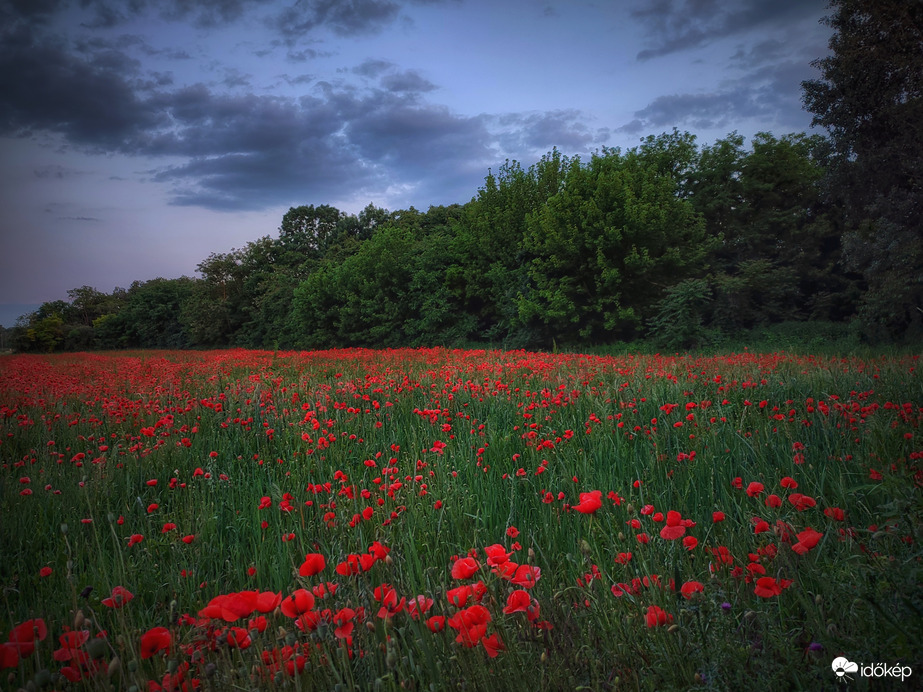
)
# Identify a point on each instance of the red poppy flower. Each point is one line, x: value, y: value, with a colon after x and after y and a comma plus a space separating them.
x: 9, y: 656
x: 526, y: 576
x: 24, y: 635
x: 674, y: 528
x: 135, y: 539
x: 754, y: 489
x: 767, y: 587
x: 464, y: 568
x: 492, y: 645
x: 344, y: 623
x: 155, y: 640
x: 690, y: 588
x: 496, y: 555
x: 517, y: 602
x: 267, y: 601
x: 807, y: 539
x: 349, y: 566
x: 656, y: 616
x: 589, y: 502
x: 297, y: 603
x: 120, y: 596
x: 313, y: 564
x: 801, y: 502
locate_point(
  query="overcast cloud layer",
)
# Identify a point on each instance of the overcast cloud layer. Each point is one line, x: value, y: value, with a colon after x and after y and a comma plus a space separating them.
x: 137, y: 136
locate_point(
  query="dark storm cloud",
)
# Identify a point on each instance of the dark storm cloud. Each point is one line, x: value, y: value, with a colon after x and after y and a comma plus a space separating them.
x: 293, y: 22
x: 408, y: 81
x: 44, y: 87
x: 391, y: 78
x: 677, y: 25
x: 372, y: 68
x: 344, y: 17
x: 770, y: 93
x: 226, y: 145
x: 543, y: 131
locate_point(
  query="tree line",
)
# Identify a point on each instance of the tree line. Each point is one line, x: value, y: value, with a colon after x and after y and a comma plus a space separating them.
x: 678, y: 244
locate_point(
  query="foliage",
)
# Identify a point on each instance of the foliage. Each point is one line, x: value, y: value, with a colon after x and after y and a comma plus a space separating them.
x: 870, y: 100
x: 678, y: 244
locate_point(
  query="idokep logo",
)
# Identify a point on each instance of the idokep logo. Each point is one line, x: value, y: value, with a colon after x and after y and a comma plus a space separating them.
x: 842, y: 667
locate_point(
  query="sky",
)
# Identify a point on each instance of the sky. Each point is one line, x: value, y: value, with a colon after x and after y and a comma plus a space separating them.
x: 139, y: 136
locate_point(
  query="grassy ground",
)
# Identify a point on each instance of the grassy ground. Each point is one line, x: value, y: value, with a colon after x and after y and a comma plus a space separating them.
x: 435, y: 519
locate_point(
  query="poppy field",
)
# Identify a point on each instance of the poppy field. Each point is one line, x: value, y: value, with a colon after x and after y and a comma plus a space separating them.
x: 429, y: 519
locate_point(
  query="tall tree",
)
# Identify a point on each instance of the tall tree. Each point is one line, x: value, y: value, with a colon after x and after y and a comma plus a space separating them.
x: 870, y: 99
x: 606, y: 246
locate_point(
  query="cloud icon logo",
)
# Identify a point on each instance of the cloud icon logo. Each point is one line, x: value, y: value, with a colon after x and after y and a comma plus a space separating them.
x: 841, y: 666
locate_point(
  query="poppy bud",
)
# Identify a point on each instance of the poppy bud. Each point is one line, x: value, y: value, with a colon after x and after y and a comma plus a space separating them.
x: 97, y: 647
x: 672, y: 628
x: 818, y: 599
x: 79, y: 619
x: 621, y: 536
x: 115, y: 667
x: 585, y: 547
x: 64, y: 529
x: 630, y: 508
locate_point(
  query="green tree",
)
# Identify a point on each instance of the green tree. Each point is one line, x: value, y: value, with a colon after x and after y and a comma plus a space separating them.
x: 215, y: 309
x: 488, y: 241
x: 870, y: 99
x: 609, y: 243
x: 150, y: 317
x: 361, y: 301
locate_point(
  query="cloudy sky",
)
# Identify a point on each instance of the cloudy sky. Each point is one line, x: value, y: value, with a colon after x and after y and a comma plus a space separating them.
x: 138, y: 136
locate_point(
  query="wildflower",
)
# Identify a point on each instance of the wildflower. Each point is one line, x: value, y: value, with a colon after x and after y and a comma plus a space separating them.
x: 674, y: 528
x: 155, y: 640
x: 297, y: 603
x: 120, y: 596
x: 807, y: 539
x: 754, y: 489
x: 464, y: 568
x: 313, y: 564
x: 767, y: 587
x: 656, y: 616
x: 589, y: 502
x: 690, y: 588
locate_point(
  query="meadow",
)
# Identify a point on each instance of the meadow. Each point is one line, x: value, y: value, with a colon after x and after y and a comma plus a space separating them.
x: 436, y: 519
